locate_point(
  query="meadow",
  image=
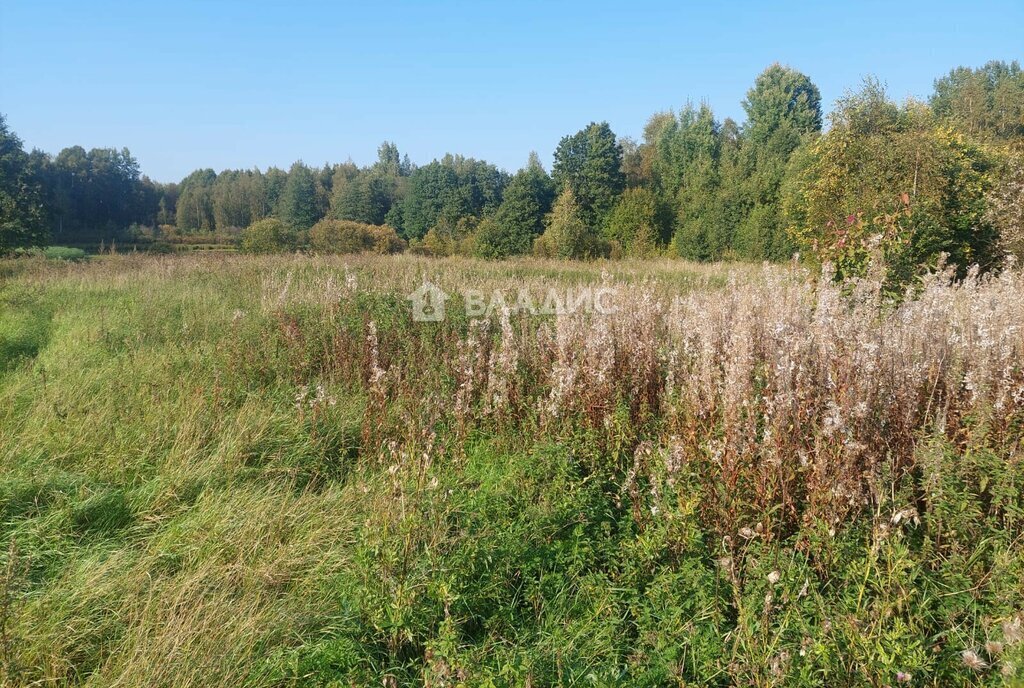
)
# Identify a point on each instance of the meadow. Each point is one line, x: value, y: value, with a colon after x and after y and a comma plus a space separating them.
x: 262, y: 471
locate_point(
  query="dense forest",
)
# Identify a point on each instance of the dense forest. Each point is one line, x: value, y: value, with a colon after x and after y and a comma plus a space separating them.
x: 913, y: 180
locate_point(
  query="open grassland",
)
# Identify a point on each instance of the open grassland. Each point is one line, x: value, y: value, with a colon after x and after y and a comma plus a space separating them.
x: 260, y: 471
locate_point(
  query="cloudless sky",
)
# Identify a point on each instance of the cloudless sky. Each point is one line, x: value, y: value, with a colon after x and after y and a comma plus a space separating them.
x: 189, y: 84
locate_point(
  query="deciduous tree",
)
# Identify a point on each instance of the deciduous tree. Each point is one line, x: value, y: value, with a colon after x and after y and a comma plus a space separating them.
x: 298, y: 206
x: 589, y: 163
x: 520, y: 217
x: 21, y: 203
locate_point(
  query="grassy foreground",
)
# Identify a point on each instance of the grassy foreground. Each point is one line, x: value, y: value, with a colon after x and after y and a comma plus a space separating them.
x: 260, y: 471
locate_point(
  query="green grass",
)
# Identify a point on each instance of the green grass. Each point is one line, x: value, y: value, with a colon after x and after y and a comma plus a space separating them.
x: 24, y: 329
x: 178, y: 508
x: 64, y: 253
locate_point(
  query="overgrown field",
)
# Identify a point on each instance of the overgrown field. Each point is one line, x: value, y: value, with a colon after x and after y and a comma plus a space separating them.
x: 220, y: 470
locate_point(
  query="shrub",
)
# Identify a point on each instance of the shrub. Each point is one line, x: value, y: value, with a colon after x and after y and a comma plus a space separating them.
x: 386, y: 240
x: 459, y: 239
x: 889, y: 180
x: 493, y: 240
x: 269, y: 235
x: 64, y: 253
x: 1005, y: 204
x: 347, y: 236
x: 161, y: 247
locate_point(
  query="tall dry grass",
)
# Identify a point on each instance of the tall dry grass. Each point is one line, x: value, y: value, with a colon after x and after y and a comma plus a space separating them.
x: 262, y: 471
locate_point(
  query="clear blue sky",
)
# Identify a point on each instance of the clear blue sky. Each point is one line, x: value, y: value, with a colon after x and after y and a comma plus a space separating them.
x: 190, y: 84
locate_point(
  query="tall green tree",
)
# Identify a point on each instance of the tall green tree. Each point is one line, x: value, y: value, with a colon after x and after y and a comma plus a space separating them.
x: 634, y: 226
x: 520, y: 217
x: 194, y: 208
x: 732, y: 201
x: 687, y: 165
x: 95, y: 194
x: 365, y: 197
x: 589, y: 163
x: 298, y: 206
x: 274, y: 181
x: 1005, y: 203
x: 390, y: 162
x: 985, y: 103
x: 449, y: 190
x: 784, y: 101
x: 783, y: 111
x: 344, y: 202
x: 237, y: 198
x: 369, y: 194
x: 21, y: 197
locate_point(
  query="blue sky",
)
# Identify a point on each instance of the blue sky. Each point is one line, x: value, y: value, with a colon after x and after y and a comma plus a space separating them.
x: 240, y: 84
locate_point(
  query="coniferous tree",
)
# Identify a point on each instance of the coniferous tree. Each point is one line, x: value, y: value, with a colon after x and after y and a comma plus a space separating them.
x: 692, y: 154
x: 447, y: 190
x: 731, y: 202
x: 369, y: 194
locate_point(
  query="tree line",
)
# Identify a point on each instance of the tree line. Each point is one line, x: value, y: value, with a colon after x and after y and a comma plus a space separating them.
x: 910, y: 180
